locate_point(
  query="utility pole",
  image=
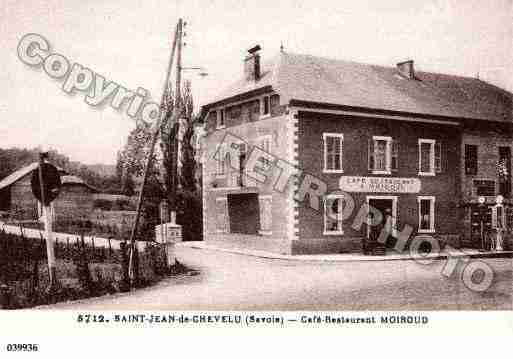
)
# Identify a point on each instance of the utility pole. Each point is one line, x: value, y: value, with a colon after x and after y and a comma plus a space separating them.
x: 148, y: 164
x: 47, y: 215
x: 176, y: 126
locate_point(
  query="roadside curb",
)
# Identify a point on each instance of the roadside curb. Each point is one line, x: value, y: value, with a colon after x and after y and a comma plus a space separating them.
x: 330, y: 258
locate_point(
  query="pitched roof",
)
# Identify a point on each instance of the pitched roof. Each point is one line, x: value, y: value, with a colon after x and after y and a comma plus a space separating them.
x: 24, y: 171
x: 17, y: 175
x: 74, y: 180
x: 346, y: 83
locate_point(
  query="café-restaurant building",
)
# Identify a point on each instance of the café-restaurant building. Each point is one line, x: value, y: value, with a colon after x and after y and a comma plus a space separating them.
x: 390, y: 138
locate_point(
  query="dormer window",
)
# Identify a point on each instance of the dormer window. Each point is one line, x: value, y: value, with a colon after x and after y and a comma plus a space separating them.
x: 265, y: 106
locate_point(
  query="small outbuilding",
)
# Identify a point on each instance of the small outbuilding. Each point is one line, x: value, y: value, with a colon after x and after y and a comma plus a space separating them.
x: 75, y: 200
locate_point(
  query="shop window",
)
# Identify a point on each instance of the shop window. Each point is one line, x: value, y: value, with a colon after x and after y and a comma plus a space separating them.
x: 471, y: 160
x: 333, y: 150
x: 426, y: 214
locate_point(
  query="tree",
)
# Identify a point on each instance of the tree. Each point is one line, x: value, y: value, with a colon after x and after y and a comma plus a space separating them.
x: 188, y: 159
x: 132, y: 159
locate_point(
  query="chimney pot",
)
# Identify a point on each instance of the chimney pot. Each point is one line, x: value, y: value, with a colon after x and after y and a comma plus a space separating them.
x: 406, y: 69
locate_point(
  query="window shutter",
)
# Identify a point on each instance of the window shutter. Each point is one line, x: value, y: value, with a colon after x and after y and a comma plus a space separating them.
x: 371, y: 154
x: 438, y: 157
x: 395, y: 155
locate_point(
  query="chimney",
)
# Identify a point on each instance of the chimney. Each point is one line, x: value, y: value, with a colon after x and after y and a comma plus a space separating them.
x: 406, y: 69
x: 252, y: 64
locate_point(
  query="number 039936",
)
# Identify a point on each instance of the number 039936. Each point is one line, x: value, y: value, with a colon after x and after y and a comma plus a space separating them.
x: 22, y: 347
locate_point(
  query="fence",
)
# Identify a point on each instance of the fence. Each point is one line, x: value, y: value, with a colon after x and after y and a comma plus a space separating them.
x: 84, y: 268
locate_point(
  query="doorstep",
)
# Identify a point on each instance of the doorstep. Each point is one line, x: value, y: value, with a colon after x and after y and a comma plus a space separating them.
x: 346, y: 257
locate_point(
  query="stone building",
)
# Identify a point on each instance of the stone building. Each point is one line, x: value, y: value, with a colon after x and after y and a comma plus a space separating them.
x: 75, y: 200
x: 332, y: 133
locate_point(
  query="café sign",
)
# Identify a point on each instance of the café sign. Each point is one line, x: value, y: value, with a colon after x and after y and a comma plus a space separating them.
x: 379, y: 184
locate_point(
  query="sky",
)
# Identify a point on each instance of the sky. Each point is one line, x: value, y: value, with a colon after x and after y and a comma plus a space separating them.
x: 129, y: 42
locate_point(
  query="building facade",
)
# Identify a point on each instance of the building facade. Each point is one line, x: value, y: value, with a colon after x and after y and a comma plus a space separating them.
x: 312, y: 155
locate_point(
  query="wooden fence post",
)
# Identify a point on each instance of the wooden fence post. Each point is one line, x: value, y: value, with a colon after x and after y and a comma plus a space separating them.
x: 125, y: 283
x: 110, y: 248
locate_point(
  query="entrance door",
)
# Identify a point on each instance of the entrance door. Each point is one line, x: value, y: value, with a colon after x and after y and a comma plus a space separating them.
x: 387, y: 208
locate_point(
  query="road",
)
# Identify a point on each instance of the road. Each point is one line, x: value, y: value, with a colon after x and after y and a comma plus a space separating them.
x: 229, y: 281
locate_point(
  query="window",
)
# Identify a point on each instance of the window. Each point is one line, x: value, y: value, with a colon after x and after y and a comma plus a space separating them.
x: 471, y: 159
x: 426, y: 214
x: 265, y: 204
x: 241, y: 165
x: 220, y: 157
x: 220, y: 120
x: 380, y: 155
x: 266, y: 107
x: 264, y: 143
x: 222, y: 218
x: 333, y: 149
x: 426, y: 157
x: 484, y: 187
x: 504, y: 171
x: 333, y: 215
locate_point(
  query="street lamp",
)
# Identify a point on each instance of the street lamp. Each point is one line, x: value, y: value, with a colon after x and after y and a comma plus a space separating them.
x: 201, y: 70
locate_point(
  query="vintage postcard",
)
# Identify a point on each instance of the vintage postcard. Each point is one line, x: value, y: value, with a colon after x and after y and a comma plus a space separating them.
x: 314, y: 166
